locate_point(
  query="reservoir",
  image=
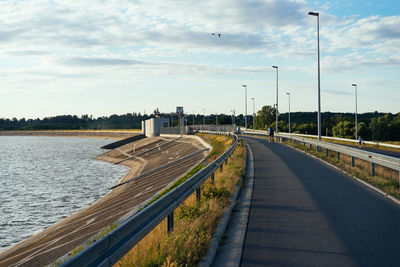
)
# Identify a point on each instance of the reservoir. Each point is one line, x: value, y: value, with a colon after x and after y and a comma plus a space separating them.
x: 45, y: 179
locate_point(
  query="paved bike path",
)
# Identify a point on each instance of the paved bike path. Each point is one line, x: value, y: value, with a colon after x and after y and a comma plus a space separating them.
x: 305, y: 213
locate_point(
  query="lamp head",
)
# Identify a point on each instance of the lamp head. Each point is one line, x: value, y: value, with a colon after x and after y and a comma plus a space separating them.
x: 275, y: 67
x: 244, y: 85
x: 313, y: 14
x: 354, y: 84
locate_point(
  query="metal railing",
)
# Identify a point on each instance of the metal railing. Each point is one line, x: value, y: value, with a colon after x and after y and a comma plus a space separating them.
x: 372, y: 158
x: 345, y: 140
x: 111, y: 247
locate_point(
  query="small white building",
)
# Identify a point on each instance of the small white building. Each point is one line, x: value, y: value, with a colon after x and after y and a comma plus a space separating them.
x: 151, y: 127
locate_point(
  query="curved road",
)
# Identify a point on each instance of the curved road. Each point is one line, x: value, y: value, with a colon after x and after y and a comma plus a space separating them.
x: 305, y: 213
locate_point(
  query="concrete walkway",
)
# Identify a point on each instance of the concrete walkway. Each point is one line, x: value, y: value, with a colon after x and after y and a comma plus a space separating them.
x: 304, y: 213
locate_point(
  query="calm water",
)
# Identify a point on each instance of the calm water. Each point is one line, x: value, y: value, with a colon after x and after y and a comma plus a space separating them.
x: 45, y: 179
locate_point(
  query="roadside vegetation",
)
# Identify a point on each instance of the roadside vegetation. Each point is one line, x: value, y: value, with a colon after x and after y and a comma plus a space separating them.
x: 195, y: 220
x: 385, y: 179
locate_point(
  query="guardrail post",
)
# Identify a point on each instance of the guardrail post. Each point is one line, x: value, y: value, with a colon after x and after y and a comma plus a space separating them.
x: 399, y: 178
x: 221, y: 168
x: 372, y: 168
x: 352, y: 161
x: 198, y: 193
x: 212, y: 178
x: 326, y: 152
x: 310, y: 146
x: 338, y: 155
x: 170, y: 222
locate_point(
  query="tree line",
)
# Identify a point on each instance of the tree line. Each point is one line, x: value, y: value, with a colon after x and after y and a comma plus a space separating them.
x: 371, y: 126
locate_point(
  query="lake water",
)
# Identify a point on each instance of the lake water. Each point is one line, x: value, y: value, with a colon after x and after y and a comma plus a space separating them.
x: 45, y: 179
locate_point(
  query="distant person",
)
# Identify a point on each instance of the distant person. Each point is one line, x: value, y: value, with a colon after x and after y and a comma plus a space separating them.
x: 360, y: 141
x: 271, y: 135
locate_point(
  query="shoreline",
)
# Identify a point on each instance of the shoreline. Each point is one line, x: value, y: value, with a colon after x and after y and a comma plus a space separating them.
x: 101, y: 134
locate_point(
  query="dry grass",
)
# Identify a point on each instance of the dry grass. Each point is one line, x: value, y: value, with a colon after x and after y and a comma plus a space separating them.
x: 385, y: 179
x: 195, y: 221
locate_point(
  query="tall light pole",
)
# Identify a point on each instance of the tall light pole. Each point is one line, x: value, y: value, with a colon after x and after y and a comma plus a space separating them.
x: 319, y: 79
x: 276, y: 67
x: 193, y: 117
x: 253, y: 111
x: 289, y: 110
x: 204, y: 119
x: 245, y: 106
x: 355, y: 86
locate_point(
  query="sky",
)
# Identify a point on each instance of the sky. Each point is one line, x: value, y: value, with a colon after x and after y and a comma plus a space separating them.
x: 119, y: 56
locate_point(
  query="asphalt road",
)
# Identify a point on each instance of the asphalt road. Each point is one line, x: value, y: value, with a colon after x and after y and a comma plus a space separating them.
x: 304, y: 213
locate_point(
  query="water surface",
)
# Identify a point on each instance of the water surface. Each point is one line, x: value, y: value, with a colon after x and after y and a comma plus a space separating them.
x: 45, y: 179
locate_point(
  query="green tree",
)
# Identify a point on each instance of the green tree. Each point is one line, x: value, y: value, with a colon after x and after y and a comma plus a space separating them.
x: 344, y: 129
x: 364, y: 131
x: 265, y: 117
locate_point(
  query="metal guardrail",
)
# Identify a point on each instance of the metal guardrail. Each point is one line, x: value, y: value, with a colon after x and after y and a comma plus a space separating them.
x: 111, y: 247
x: 345, y: 140
x: 373, y: 158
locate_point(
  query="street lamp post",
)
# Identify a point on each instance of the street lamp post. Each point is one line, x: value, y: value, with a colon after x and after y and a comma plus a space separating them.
x: 319, y: 79
x: 254, y: 114
x: 204, y: 119
x: 245, y: 106
x: 289, y: 110
x: 355, y: 86
x: 276, y: 67
x: 233, y: 118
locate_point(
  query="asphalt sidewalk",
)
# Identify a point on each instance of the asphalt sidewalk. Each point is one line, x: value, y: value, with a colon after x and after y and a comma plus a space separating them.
x: 305, y: 213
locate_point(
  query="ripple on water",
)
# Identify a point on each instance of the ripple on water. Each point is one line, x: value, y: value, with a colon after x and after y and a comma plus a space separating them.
x: 46, y: 179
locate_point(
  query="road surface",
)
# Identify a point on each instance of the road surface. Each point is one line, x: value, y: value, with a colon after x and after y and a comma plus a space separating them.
x: 305, y: 213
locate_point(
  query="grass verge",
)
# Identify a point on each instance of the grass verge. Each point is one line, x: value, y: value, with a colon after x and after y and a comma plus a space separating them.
x: 195, y: 221
x: 385, y: 179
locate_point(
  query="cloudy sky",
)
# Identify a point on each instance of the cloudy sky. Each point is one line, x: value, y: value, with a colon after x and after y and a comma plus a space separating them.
x: 120, y: 56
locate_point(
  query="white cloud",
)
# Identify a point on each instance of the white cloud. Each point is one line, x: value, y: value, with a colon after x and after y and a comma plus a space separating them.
x: 56, y: 44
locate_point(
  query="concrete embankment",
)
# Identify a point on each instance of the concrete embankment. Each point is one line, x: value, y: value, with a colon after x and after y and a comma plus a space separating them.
x: 124, y: 141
